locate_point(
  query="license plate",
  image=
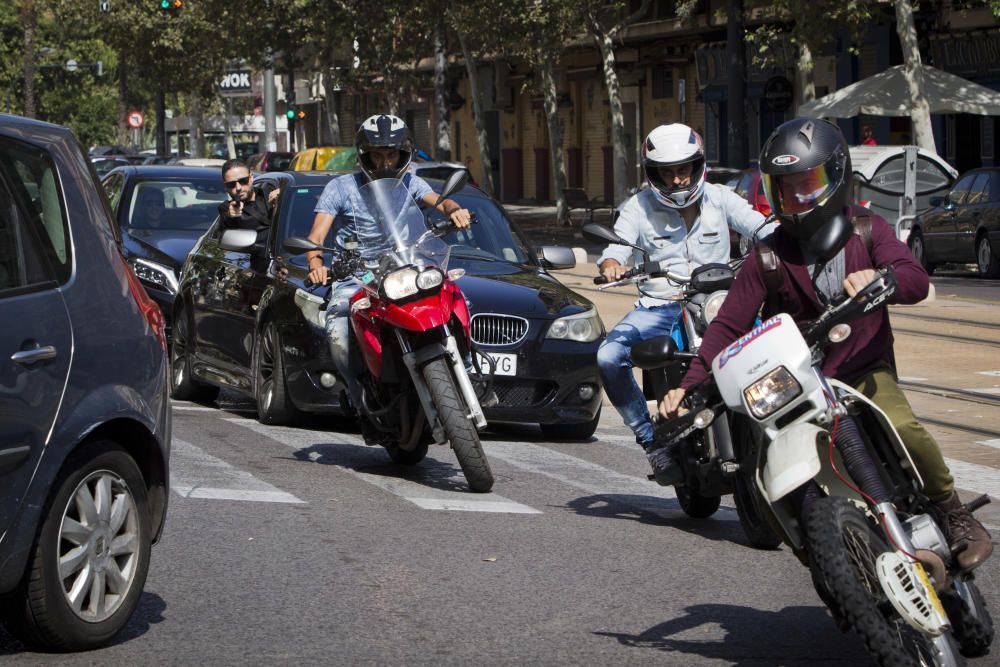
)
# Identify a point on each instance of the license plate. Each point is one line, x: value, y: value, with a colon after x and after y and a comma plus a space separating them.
x: 506, y: 364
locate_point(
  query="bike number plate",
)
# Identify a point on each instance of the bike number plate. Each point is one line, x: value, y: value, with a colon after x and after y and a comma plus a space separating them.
x: 506, y: 363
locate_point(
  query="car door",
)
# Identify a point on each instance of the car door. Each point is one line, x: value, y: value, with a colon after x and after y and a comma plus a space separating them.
x: 967, y: 218
x: 36, y: 343
x: 939, y: 224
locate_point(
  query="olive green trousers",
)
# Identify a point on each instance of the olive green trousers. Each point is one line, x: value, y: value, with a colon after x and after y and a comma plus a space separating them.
x: 882, y: 387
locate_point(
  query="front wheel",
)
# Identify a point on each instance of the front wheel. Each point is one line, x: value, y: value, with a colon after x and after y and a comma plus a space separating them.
x: 461, y: 432
x: 843, y: 547
x: 749, y: 505
x: 274, y: 405
x: 971, y: 622
x: 89, y: 563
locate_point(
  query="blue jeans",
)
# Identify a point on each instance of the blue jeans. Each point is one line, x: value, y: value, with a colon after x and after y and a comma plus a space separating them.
x: 615, y: 362
x: 343, y: 347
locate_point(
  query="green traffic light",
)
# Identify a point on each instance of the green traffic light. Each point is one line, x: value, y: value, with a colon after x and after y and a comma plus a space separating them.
x: 165, y: 4
x: 290, y: 114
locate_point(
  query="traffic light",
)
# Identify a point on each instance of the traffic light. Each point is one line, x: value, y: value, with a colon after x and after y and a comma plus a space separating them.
x: 171, y: 5
x: 294, y: 113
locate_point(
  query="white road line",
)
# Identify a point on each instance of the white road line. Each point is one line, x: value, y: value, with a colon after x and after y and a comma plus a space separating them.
x: 597, y: 480
x: 995, y: 443
x: 193, y: 408
x: 195, y: 473
x: 438, y: 485
x: 906, y: 378
x: 989, y: 373
x: 974, y: 477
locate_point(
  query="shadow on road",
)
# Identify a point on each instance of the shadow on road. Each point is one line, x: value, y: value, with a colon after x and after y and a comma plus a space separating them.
x: 651, y: 509
x: 148, y: 613
x: 751, y: 637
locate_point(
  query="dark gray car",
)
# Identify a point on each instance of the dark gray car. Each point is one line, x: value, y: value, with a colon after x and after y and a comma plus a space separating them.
x: 84, y: 409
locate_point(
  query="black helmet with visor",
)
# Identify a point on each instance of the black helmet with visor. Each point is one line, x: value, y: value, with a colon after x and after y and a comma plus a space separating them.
x: 805, y: 168
x: 383, y: 131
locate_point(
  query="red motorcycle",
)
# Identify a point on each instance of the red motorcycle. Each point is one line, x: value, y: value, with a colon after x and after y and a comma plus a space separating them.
x: 411, y: 324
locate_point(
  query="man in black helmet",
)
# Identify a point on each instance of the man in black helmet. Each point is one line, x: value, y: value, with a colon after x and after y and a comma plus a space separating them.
x: 384, y: 151
x: 806, y: 169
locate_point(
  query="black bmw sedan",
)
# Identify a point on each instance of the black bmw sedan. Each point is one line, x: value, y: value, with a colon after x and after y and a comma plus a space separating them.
x: 244, y: 320
x: 162, y: 211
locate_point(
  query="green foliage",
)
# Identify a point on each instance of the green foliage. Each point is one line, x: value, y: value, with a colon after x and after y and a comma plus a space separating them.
x: 814, y: 23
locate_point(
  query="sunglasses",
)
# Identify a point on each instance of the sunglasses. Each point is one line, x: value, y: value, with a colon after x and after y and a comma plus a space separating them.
x: 241, y: 181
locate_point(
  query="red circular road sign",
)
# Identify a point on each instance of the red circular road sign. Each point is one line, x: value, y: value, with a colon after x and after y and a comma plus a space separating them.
x: 136, y: 119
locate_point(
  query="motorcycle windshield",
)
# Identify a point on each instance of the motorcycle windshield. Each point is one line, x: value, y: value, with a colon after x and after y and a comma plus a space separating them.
x: 391, y: 230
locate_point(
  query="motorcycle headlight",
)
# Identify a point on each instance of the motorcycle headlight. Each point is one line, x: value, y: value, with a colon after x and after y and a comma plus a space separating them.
x: 711, y: 308
x: 429, y: 279
x: 772, y: 392
x: 155, y: 274
x: 400, y: 284
x: 583, y: 327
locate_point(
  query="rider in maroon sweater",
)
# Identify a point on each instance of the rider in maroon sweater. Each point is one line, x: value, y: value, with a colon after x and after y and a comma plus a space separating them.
x: 806, y: 169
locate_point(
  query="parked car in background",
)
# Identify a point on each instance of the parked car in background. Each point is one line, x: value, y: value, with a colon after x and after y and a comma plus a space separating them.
x: 161, y: 212
x: 103, y: 165
x: 964, y: 225
x: 244, y: 319
x: 722, y: 175
x: 85, y: 414
x: 157, y: 159
x: 315, y: 159
x: 198, y: 162
x: 269, y: 161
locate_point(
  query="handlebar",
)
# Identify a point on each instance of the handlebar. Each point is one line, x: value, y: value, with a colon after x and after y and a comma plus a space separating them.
x: 642, y: 273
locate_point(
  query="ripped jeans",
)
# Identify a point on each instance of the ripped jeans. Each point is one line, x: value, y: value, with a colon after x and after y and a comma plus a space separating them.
x: 343, y: 347
x: 614, y: 360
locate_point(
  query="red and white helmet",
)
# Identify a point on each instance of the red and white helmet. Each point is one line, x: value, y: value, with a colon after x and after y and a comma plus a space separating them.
x: 669, y: 146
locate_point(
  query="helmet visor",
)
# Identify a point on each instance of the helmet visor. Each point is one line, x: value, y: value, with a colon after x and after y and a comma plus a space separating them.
x: 801, y: 192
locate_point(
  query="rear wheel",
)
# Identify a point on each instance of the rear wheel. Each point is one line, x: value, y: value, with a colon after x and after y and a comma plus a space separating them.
x: 696, y: 505
x: 843, y: 547
x: 89, y: 564
x: 986, y: 261
x: 919, y: 250
x: 183, y: 385
x: 274, y: 405
x: 461, y: 432
x: 582, y: 431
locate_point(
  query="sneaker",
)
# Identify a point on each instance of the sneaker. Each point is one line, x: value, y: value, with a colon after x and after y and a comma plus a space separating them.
x: 667, y: 469
x: 968, y: 539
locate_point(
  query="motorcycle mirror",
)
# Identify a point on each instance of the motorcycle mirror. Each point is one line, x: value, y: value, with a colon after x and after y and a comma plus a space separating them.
x: 455, y: 182
x: 601, y: 234
x: 655, y: 353
x: 298, y: 245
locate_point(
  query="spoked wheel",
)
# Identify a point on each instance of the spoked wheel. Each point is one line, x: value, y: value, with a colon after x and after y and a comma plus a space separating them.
x: 274, y: 405
x: 183, y: 385
x: 696, y: 505
x: 843, y: 547
x: 458, y: 426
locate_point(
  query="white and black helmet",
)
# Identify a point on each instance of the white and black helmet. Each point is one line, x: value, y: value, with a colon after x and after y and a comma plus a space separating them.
x: 384, y: 131
x: 669, y: 146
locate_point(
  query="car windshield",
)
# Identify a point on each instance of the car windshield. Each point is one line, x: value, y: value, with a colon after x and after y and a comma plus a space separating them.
x: 176, y: 204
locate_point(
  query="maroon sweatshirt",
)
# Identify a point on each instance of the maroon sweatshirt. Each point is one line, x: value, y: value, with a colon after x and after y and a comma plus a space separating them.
x: 870, y: 343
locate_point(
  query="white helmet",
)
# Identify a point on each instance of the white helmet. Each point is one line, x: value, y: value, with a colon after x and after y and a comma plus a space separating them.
x: 669, y: 146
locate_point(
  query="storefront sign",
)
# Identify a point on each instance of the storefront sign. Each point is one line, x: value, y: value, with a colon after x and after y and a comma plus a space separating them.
x: 969, y: 55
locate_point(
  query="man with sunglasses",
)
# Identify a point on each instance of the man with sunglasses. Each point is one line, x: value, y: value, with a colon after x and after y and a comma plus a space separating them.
x: 248, y: 207
x: 806, y: 169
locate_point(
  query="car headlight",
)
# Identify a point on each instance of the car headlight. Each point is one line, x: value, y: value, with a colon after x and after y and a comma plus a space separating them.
x: 400, y: 284
x: 155, y: 274
x: 711, y: 307
x: 583, y: 327
x: 429, y: 279
x: 772, y: 392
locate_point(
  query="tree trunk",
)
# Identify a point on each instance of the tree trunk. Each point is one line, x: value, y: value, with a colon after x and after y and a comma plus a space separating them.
x: 555, y: 137
x: 484, y: 148
x: 736, y: 99
x: 29, y: 21
x: 330, y: 106
x: 195, y: 131
x: 443, y: 112
x: 122, y: 101
x: 603, y: 40
x: 805, y: 75
x: 920, y: 111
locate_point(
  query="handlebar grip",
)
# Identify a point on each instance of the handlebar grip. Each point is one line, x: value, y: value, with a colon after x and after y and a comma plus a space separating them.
x: 600, y: 280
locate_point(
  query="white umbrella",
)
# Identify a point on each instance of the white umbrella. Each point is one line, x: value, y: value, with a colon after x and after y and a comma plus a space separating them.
x: 886, y: 94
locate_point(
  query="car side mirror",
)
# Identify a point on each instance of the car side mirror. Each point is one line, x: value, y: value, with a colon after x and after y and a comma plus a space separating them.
x: 238, y: 240
x: 557, y: 257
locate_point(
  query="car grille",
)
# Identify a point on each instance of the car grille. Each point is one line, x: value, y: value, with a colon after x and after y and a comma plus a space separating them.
x: 489, y: 329
x: 522, y: 393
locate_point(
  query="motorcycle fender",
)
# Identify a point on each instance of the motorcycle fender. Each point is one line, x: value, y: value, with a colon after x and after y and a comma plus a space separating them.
x: 792, y: 460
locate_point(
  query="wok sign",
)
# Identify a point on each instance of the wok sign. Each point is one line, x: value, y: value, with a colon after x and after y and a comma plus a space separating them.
x: 236, y: 83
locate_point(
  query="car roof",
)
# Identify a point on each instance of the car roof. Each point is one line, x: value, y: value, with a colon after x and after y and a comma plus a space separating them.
x: 313, y: 178
x: 167, y: 171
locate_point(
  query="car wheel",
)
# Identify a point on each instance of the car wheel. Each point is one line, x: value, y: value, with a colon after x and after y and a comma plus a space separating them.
x: 88, y: 566
x: 183, y: 385
x: 986, y: 261
x: 274, y: 405
x: 583, y: 431
x: 919, y: 250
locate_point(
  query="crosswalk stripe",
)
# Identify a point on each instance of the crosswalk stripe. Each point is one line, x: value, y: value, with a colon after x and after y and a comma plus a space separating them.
x: 438, y: 486
x: 195, y: 473
x: 975, y: 478
x: 192, y: 408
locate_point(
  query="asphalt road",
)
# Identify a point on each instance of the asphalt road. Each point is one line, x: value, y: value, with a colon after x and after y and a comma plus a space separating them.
x: 301, y: 545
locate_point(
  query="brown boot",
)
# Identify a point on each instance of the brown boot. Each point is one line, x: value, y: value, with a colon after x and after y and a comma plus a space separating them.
x: 964, y: 532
